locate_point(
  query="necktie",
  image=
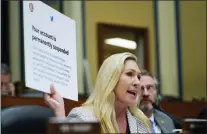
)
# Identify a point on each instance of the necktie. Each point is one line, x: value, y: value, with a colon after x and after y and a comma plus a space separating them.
x: 152, y: 127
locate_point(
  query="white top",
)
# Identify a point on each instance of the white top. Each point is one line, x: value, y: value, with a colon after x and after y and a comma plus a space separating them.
x: 157, y: 129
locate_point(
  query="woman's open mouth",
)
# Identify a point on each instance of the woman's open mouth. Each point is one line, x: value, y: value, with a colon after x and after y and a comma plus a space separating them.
x: 132, y: 92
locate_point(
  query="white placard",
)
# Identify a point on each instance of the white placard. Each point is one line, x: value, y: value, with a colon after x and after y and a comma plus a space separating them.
x: 50, y: 50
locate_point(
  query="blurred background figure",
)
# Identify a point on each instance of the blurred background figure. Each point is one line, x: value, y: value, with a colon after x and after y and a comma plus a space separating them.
x: 202, y: 125
x: 160, y: 121
x: 7, y: 88
x: 20, y: 88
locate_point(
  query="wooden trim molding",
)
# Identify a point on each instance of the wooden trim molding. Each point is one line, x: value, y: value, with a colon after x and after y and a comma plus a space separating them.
x: 101, y: 31
x: 7, y: 101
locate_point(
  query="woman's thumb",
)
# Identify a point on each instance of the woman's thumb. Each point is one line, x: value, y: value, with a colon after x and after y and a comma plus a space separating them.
x: 52, y: 89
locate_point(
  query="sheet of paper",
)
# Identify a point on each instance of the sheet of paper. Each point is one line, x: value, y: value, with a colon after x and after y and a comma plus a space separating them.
x: 49, y: 50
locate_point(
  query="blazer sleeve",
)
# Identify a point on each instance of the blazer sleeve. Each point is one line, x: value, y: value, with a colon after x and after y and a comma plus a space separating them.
x: 81, y: 114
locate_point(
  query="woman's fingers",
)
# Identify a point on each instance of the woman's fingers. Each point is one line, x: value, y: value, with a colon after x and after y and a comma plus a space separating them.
x: 47, y: 99
x: 50, y: 101
x: 55, y: 102
x: 46, y: 96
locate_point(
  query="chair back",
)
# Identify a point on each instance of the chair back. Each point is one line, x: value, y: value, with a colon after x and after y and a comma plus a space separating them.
x: 25, y: 119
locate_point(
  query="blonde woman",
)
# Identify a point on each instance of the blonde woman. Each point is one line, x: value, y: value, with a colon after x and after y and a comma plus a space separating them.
x: 113, y: 101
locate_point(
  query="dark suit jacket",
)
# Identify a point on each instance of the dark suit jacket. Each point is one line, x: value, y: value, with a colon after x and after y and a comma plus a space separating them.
x: 164, y: 122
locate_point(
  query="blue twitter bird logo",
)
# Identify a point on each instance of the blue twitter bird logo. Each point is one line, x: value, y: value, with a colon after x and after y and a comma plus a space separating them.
x: 51, y: 18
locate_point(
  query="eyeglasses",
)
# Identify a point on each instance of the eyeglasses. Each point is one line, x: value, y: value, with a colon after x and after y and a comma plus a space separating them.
x: 150, y: 88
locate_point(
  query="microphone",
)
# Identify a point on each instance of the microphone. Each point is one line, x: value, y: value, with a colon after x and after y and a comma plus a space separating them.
x: 177, y: 123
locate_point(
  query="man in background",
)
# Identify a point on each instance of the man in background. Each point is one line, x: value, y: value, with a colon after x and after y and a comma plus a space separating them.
x: 160, y: 122
x: 7, y: 88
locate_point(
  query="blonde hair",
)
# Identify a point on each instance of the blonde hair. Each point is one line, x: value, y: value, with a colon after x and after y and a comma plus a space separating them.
x: 103, y: 98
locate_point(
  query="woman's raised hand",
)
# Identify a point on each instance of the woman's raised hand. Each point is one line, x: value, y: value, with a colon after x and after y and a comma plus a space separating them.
x: 55, y: 102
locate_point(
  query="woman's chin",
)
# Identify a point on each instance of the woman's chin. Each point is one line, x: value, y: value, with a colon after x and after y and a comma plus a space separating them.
x: 132, y: 102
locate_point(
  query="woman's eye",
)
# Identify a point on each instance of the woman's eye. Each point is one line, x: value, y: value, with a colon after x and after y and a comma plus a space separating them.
x: 139, y: 77
x: 129, y: 73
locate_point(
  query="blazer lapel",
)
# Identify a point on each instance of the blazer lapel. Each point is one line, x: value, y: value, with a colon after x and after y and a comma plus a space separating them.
x: 160, y: 122
x: 132, y: 123
x: 135, y: 125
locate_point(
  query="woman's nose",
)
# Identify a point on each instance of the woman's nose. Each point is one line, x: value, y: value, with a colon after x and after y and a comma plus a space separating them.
x: 136, y: 82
